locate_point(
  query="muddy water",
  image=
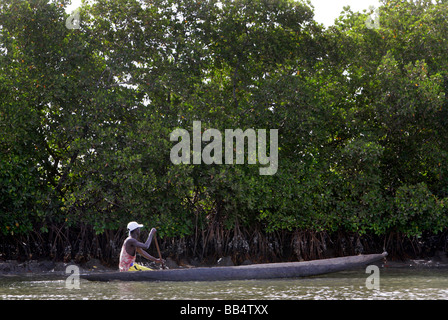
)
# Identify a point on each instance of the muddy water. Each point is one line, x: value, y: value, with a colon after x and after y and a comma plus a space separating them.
x: 394, y: 284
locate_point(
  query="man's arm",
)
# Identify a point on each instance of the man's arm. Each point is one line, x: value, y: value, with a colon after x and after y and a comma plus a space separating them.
x: 145, y: 245
x: 148, y: 256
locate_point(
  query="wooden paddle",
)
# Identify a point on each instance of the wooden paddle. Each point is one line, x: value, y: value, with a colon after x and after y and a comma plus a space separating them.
x: 158, y: 251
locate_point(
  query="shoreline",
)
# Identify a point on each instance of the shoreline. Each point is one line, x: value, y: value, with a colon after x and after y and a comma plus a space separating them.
x: 48, y: 267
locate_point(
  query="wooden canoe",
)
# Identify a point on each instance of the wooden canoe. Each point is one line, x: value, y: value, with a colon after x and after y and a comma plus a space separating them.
x: 245, y: 272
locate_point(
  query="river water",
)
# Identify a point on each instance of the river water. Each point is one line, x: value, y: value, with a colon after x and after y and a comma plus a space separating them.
x: 394, y: 284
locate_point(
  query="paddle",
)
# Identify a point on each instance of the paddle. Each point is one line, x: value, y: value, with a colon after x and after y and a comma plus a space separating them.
x: 158, y: 251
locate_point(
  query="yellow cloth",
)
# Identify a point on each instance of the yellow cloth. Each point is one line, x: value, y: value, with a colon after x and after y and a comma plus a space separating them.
x: 137, y: 267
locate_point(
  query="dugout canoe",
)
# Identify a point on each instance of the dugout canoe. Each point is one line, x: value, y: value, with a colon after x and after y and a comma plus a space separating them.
x: 246, y: 272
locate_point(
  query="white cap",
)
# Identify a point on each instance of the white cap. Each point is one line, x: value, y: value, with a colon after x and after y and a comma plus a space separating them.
x: 134, y: 225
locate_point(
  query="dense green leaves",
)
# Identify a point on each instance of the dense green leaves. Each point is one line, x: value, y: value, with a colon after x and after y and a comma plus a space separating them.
x: 86, y: 116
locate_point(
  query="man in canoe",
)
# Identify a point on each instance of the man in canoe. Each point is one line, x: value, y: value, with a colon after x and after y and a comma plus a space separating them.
x: 131, y: 246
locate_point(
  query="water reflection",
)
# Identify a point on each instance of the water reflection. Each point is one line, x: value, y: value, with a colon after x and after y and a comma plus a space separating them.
x: 395, y: 284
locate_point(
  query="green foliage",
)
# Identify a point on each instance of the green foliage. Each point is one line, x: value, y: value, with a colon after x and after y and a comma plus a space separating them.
x: 86, y: 116
x: 418, y: 210
x: 21, y: 197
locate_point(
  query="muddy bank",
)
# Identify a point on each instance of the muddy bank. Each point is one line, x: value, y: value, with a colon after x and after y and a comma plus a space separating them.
x: 47, y: 266
x: 12, y: 267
